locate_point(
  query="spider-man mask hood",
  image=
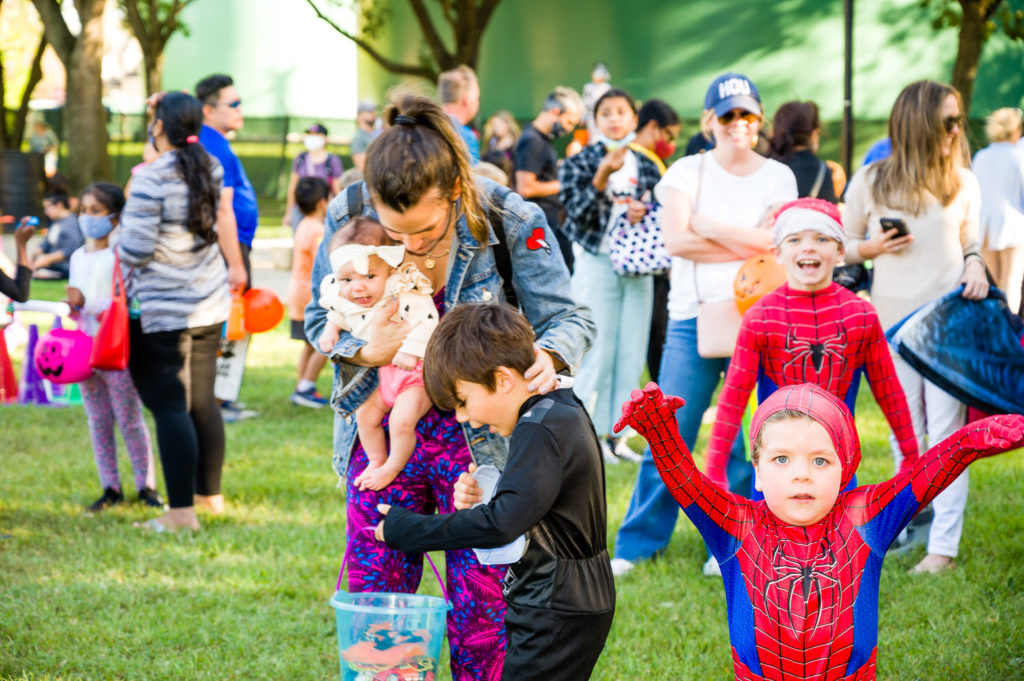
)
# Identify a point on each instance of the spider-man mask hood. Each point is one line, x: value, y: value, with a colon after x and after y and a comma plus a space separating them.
x: 823, y: 407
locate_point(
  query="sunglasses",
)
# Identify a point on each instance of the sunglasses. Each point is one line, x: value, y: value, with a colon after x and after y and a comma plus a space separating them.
x: 951, y: 122
x: 231, y: 105
x: 729, y: 116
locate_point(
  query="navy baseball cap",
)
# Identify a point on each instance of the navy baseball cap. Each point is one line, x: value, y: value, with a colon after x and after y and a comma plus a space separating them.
x: 732, y: 91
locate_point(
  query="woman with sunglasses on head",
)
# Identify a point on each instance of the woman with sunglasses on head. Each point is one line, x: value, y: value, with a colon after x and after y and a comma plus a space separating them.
x: 715, y: 210
x: 925, y: 184
x: 462, y: 233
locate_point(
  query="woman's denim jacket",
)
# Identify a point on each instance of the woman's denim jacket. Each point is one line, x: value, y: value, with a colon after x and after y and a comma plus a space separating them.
x: 539, y: 277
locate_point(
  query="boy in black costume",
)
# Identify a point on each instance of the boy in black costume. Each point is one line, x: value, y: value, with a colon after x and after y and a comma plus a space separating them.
x: 560, y: 594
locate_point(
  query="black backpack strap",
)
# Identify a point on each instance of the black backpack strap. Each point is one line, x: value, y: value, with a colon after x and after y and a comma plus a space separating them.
x: 354, y: 196
x: 502, y: 259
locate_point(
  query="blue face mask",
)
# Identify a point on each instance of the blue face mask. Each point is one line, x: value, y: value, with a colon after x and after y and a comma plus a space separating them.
x: 95, y: 226
x: 612, y: 145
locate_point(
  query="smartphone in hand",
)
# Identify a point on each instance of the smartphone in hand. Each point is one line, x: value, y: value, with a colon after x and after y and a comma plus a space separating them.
x: 897, y: 223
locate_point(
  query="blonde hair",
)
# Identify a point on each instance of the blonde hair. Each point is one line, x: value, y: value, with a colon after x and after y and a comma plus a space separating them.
x: 509, y: 120
x: 1001, y: 125
x: 706, y: 118
x: 491, y: 172
x: 420, y: 151
x: 917, y: 166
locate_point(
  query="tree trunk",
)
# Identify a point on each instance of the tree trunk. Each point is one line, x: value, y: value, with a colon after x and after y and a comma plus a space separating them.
x: 34, y: 76
x: 154, y: 65
x: 968, y: 53
x: 85, y: 120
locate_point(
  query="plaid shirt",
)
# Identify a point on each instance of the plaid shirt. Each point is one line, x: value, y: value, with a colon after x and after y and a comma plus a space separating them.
x: 587, y: 210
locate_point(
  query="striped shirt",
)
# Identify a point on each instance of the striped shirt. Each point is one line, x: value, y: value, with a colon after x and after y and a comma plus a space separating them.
x: 180, y: 282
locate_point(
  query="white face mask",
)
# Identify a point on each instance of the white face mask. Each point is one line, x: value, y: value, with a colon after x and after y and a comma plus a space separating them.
x: 314, y: 142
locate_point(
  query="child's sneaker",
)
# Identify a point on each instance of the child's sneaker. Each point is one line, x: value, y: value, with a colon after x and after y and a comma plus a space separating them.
x: 232, y: 412
x: 111, y: 497
x: 308, y: 398
x: 149, y: 497
x: 622, y: 450
x: 711, y: 568
x: 606, y: 452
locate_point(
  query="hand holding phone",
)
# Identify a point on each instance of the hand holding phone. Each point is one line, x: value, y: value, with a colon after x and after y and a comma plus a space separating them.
x: 895, y: 223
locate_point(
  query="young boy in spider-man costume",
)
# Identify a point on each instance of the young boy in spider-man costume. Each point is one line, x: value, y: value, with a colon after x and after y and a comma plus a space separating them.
x: 801, y: 568
x: 809, y: 330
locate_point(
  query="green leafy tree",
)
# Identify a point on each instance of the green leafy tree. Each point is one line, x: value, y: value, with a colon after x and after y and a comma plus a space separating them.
x: 977, y: 21
x: 12, y: 127
x: 153, y: 22
x: 85, y: 119
x: 464, y: 22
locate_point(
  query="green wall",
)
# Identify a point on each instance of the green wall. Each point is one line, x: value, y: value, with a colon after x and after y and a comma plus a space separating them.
x: 672, y: 49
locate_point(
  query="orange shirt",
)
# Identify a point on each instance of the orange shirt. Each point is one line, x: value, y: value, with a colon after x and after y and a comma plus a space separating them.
x: 300, y: 290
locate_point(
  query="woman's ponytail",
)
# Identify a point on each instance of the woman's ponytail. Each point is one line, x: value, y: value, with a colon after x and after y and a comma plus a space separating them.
x: 418, y: 151
x: 182, y: 117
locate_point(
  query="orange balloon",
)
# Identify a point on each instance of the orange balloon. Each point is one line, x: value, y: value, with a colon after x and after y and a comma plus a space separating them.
x: 263, y: 310
x: 758, y: 276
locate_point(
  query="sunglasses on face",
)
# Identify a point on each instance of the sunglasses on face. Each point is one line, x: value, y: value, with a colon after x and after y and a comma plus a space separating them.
x: 232, y: 105
x: 729, y: 116
x: 951, y: 122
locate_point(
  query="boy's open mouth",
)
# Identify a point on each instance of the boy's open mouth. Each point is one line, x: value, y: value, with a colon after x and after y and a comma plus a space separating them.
x: 808, y: 264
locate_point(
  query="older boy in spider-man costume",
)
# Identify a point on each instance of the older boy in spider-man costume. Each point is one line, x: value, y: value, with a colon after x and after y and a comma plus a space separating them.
x: 801, y: 568
x: 809, y: 330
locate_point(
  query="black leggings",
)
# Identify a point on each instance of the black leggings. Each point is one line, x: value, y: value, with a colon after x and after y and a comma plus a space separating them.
x: 174, y: 372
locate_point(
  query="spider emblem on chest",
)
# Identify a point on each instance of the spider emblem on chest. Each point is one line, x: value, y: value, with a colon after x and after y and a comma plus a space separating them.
x: 822, y: 355
x: 797, y: 581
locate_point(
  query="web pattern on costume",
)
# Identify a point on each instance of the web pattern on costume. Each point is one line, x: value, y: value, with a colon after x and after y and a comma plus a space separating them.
x: 803, y: 601
x: 826, y: 338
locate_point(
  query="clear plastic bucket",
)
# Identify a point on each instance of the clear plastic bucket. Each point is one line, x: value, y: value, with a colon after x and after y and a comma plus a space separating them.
x: 389, y: 636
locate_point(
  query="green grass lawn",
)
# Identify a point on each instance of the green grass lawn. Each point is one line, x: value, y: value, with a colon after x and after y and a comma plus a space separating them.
x: 246, y: 597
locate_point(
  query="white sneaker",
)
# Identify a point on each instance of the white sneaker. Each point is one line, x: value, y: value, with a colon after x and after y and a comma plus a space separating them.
x: 711, y: 568
x: 621, y: 566
x: 606, y: 452
x: 625, y: 452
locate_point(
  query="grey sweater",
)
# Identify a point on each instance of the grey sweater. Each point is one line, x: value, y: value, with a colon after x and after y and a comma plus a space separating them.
x: 179, y: 281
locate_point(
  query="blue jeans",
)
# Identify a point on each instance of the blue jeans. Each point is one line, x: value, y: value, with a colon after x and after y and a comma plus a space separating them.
x: 621, y: 306
x: 651, y: 516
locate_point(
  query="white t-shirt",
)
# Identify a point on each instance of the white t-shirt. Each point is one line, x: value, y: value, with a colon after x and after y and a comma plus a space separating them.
x: 732, y: 199
x: 620, y: 190
x: 91, y: 272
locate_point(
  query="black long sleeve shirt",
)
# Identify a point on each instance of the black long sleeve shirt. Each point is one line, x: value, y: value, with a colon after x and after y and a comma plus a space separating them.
x: 552, y: 489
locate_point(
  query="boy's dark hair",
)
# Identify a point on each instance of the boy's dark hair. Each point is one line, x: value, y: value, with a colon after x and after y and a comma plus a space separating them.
x: 209, y: 88
x: 781, y: 415
x: 108, y: 194
x: 361, y: 230
x: 658, y: 111
x: 58, y: 198
x: 182, y: 117
x: 615, y: 93
x: 470, y: 343
x: 309, y: 192
x: 58, y: 184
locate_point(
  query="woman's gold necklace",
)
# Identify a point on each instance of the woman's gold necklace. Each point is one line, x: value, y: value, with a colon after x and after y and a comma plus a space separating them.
x: 430, y: 259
